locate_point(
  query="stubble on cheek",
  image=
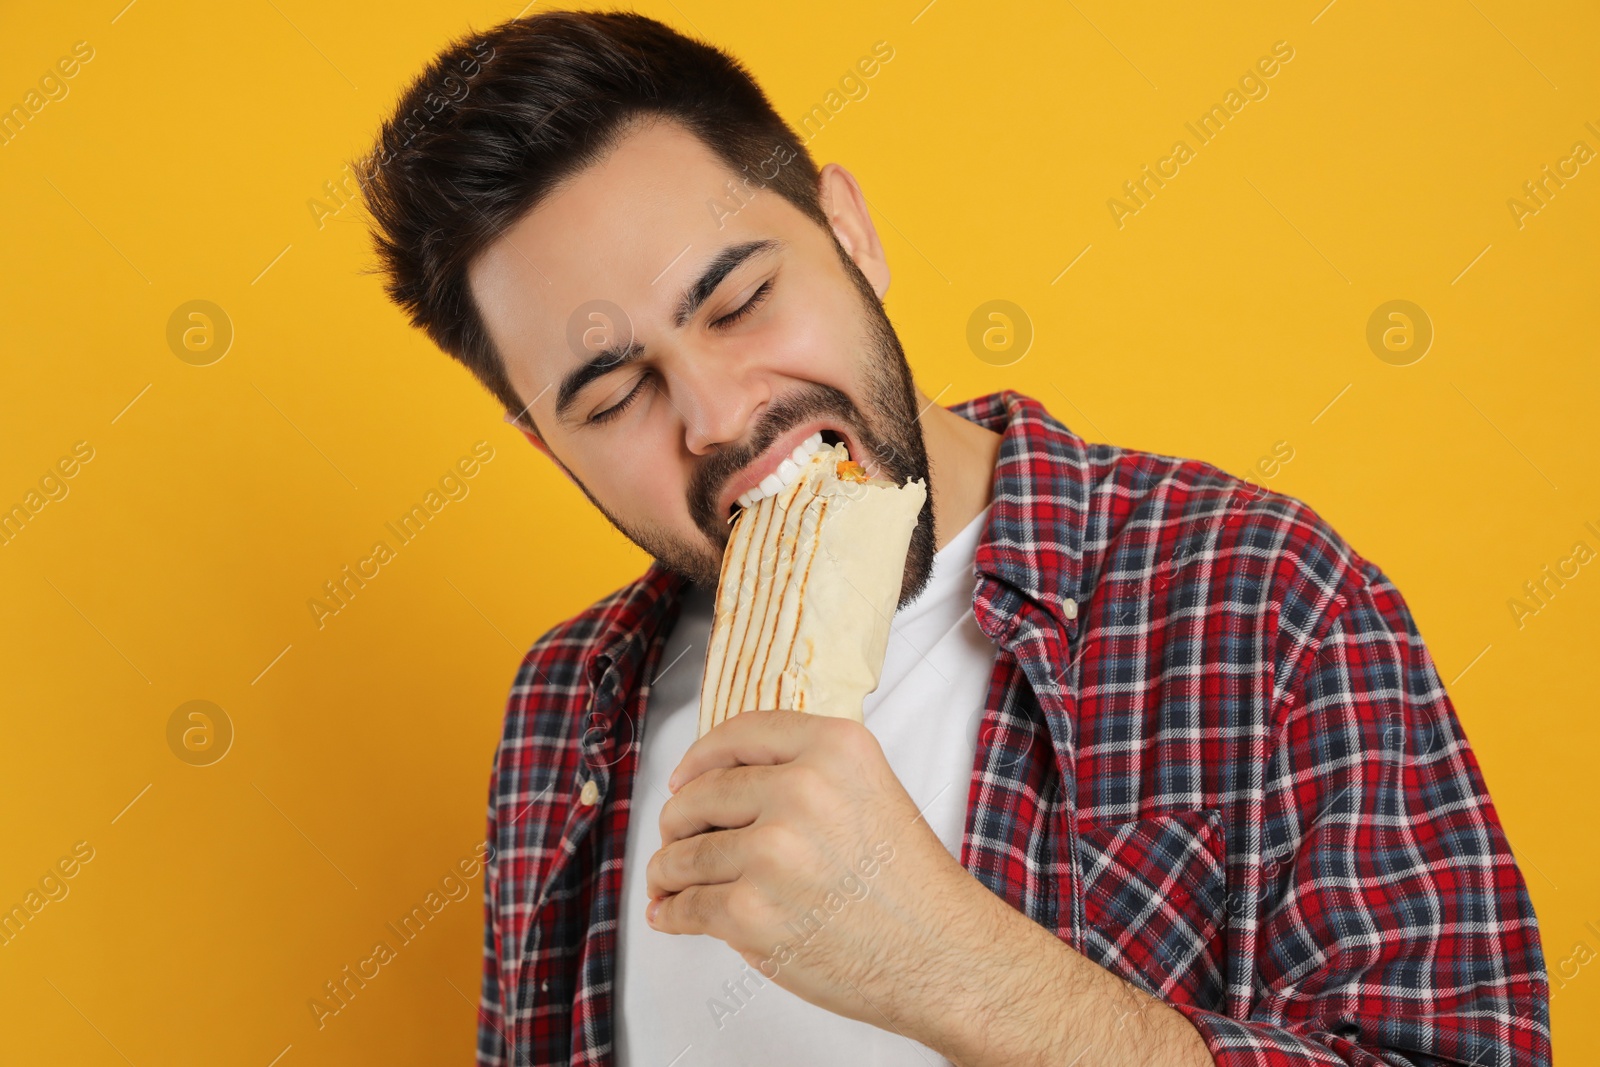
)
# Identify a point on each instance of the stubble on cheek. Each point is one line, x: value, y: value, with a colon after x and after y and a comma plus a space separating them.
x: 689, y: 555
x: 693, y: 559
x: 885, y: 428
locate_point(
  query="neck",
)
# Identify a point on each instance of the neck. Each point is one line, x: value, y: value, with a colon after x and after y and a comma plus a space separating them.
x: 961, y: 461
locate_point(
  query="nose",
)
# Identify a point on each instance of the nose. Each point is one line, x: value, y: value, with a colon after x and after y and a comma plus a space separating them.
x: 717, y: 402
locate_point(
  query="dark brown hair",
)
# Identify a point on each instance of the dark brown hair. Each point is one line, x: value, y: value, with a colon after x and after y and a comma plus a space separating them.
x: 500, y: 118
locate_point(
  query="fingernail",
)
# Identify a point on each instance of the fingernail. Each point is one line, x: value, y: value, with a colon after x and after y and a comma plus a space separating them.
x: 672, y: 783
x: 651, y: 909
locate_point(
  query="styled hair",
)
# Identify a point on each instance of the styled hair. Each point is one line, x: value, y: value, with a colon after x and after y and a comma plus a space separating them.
x: 501, y: 118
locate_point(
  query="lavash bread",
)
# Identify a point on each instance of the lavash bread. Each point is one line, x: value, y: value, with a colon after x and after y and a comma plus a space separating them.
x: 810, y: 581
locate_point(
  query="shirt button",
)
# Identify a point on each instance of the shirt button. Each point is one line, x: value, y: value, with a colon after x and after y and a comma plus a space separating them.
x: 1071, y: 608
x: 590, y: 794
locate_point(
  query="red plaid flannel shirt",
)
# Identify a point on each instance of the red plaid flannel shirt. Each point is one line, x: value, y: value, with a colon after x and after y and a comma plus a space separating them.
x: 1216, y: 759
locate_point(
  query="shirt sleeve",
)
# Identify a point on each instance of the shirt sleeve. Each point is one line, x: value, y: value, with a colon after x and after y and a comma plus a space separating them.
x: 491, y: 1019
x: 1394, y: 926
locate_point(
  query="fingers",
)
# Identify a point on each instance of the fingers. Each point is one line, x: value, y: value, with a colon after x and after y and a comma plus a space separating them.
x: 699, y: 909
x: 724, y: 798
x: 705, y: 859
x: 753, y: 737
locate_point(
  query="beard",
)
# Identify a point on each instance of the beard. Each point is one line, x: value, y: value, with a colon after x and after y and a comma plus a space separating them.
x: 888, y: 431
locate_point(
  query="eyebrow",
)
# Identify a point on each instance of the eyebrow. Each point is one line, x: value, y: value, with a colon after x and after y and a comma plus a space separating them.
x: 699, y: 291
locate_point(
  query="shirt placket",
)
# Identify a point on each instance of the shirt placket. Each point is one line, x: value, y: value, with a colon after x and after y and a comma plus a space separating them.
x: 1042, y: 653
x: 1030, y: 637
x: 591, y: 784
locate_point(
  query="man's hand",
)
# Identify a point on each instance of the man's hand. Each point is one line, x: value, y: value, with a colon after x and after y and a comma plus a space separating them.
x: 790, y: 838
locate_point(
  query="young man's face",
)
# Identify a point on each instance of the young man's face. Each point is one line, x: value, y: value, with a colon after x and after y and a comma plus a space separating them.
x: 748, y: 333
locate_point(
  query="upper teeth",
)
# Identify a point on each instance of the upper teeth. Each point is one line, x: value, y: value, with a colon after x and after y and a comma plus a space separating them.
x: 788, y: 470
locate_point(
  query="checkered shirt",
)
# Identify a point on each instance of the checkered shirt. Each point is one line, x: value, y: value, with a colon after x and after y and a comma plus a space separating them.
x: 1216, y: 759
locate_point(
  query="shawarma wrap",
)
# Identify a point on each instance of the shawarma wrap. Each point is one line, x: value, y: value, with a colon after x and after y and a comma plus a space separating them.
x: 810, y: 581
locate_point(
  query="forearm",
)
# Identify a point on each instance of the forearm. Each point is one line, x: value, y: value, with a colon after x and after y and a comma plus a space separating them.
x: 1009, y: 993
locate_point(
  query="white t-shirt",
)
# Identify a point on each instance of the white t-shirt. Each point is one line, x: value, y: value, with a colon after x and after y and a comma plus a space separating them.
x: 689, y: 999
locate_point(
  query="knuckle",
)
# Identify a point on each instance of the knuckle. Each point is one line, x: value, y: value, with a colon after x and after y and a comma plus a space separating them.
x: 714, y: 781
x: 670, y: 820
x: 769, y: 844
x: 802, y: 778
x: 803, y: 785
x: 851, y: 737
x: 691, y: 906
x: 705, y: 857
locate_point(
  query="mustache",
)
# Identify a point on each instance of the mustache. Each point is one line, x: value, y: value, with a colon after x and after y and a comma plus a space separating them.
x: 705, y: 485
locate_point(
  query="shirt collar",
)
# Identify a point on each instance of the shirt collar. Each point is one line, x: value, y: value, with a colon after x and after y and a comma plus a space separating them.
x: 1032, y: 542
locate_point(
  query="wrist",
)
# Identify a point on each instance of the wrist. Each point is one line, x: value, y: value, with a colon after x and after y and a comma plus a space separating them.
x: 979, y: 1009
x: 1009, y: 993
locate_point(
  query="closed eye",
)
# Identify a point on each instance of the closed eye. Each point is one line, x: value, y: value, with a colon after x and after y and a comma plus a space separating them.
x: 755, y: 301
x: 757, y: 298
x: 622, y: 405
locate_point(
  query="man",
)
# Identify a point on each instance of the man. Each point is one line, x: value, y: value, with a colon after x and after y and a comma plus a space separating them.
x: 1159, y: 772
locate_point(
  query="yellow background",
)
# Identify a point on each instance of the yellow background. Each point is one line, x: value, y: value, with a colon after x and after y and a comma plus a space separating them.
x: 1228, y: 315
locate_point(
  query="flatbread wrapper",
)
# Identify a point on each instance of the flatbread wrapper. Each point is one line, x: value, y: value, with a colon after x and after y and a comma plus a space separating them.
x: 810, y: 581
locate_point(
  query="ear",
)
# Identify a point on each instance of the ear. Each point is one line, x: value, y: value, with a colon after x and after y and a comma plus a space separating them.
x: 538, y: 442
x: 533, y: 438
x: 846, y: 208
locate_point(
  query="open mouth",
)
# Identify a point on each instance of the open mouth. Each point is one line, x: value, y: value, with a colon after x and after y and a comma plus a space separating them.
x: 787, y: 470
